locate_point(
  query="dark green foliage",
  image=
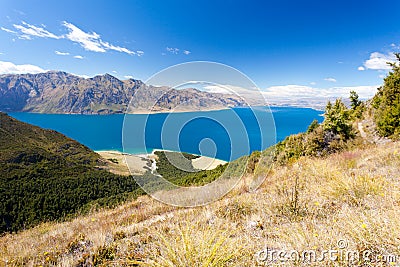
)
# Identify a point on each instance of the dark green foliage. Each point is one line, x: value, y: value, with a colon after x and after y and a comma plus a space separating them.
x: 354, y: 101
x: 49, y: 191
x: 357, y: 106
x: 47, y: 176
x: 338, y: 119
x: 314, y: 125
x: 168, y: 163
x: 201, y: 177
x: 188, y: 176
x: 387, y: 103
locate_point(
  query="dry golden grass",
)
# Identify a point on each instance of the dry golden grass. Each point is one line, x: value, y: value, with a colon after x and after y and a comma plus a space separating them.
x: 310, y: 204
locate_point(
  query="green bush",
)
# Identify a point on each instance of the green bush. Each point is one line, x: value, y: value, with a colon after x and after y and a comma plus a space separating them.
x: 314, y: 125
x: 338, y: 120
x: 387, y: 103
x: 357, y: 106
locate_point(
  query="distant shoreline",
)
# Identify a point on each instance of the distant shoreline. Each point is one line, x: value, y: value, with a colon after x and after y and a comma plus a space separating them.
x: 143, y: 112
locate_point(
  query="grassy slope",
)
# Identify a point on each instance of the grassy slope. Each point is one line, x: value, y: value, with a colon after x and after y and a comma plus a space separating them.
x: 311, y: 203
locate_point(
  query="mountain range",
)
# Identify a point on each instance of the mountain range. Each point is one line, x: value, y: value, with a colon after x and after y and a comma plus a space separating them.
x: 61, y: 92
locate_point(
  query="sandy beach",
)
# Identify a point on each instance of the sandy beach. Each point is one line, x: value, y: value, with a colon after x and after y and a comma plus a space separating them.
x: 206, y: 163
x: 118, y: 162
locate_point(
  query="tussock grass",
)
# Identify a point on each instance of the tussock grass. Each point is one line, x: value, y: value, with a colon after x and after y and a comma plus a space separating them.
x: 309, y: 204
x: 194, y: 244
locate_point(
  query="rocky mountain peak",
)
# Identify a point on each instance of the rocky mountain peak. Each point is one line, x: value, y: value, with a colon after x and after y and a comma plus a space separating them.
x: 62, y: 92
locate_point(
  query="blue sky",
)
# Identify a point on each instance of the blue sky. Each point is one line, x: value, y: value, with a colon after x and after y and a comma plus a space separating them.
x: 284, y: 46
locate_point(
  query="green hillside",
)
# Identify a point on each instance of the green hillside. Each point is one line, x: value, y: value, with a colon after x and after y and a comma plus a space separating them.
x: 47, y: 176
x: 24, y: 143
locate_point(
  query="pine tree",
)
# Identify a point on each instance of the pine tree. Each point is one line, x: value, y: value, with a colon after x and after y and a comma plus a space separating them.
x: 354, y: 101
x: 387, y: 103
x: 337, y: 119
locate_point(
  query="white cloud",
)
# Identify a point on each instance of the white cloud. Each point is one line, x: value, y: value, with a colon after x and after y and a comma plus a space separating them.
x: 361, y: 68
x: 128, y: 77
x: 25, y: 37
x: 117, y: 48
x: 330, y: 79
x: 313, y: 83
x: 217, y: 89
x: 29, y: 30
x: 114, y: 71
x: 89, y: 41
x: 82, y: 75
x: 61, y: 53
x: 11, y: 68
x: 301, y: 91
x: 173, y: 50
x: 378, y: 61
x: 229, y: 89
x: 288, y: 92
x: 8, y: 30
x: 78, y: 57
x: 93, y: 42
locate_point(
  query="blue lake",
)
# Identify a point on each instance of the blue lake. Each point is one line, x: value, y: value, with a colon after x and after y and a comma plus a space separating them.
x: 225, y: 134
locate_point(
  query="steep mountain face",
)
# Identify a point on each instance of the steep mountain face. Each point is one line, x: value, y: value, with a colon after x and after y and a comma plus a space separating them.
x: 60, y: 92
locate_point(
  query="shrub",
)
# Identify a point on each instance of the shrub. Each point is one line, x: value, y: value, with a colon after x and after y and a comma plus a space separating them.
x: 387, y: 103
x: 337, y: 119
x: 314, y: 125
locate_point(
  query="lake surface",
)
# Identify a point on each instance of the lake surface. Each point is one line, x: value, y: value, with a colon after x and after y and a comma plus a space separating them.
x: 224, y: 134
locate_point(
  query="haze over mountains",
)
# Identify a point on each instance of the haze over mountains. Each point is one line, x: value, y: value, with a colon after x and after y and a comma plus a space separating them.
x: 61, y: 92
